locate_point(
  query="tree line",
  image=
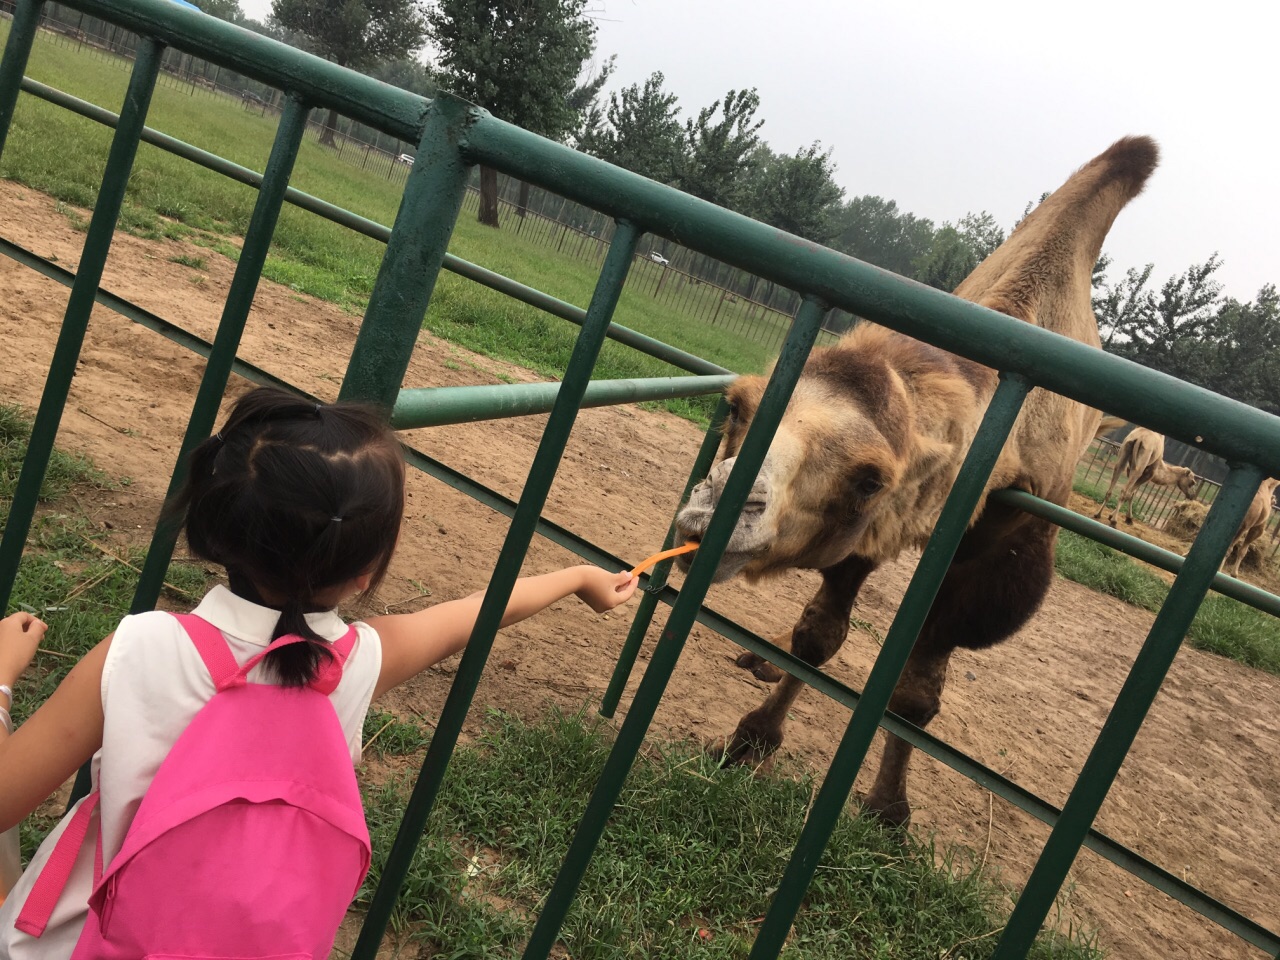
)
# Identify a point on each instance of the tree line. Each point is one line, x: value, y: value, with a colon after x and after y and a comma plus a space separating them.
x: 527, y: 61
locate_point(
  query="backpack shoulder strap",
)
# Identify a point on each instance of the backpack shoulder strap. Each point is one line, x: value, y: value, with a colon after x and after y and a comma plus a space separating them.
x: 37, y: 909
x: 212, y: 647
x: 222, y: 666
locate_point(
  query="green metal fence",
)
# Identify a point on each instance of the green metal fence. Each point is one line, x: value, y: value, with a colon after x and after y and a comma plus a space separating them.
x: 454, y: 136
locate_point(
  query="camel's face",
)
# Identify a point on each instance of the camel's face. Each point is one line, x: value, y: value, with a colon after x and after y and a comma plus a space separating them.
x: 831, y: 464
x: 1187, y: 482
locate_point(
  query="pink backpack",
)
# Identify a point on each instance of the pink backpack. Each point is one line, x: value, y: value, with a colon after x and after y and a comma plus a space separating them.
x: 251, y: 840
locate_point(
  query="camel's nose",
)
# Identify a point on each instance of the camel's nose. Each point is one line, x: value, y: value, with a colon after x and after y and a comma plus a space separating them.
x: 713, y: 487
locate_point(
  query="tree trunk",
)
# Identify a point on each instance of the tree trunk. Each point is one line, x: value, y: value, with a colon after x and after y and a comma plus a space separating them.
x: 488, y: 197
x: 326, y: 135
x: 523, y: 202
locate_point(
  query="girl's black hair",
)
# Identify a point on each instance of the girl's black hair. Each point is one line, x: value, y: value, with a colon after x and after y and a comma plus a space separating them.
x: 293, y: 498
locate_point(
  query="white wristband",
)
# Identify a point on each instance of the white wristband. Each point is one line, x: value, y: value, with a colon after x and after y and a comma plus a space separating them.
x: 7, y: 691
x: 6, y: 719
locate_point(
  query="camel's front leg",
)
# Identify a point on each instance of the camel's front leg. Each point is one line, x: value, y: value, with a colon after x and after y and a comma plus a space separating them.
x: 916, y: 699
x: 819, y: 633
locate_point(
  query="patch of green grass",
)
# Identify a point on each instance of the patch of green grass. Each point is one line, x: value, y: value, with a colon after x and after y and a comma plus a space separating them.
x: 61, y: 154
x: 1222, y: 625
x: 195, y: 263
x: 686, y: 867
x: 387, y: 735
x: 65, y: 469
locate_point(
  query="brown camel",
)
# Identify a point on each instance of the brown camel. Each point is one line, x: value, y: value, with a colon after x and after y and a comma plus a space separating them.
x: 1255, y: 521
x: 871, y: 442
x: 1142, y: 459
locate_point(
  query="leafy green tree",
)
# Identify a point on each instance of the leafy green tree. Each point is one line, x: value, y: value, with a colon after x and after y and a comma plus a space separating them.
x: 407, y: 73
x: 949, y: 259
x: 719, y: 146
x: 1119, y: 307
x: 520, y: 59
x: 1164, y: 330
x: 981, y: 232
x: 228, y: 10
x: 354, y: 33
x: 1244, y: 342
x: 872, y: 229
x: 798, y: 194
x: 640, y: 131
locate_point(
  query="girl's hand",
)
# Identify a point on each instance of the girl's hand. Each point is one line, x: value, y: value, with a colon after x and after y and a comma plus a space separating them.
x: 20, y: 634
x: 603, y: 591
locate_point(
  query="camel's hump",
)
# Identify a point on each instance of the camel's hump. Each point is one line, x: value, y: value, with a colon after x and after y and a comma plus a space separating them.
x: 1129, y: 161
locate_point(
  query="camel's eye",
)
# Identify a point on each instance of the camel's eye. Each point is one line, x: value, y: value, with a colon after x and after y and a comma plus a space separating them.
x: 869, y: 486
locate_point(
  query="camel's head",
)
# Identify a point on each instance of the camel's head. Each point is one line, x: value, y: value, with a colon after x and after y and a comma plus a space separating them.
x: 1187, y: 481
x: 846, y: 445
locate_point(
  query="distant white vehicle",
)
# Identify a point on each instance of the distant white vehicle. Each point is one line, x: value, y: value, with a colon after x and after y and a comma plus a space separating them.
x: 656, y: 257
x: 405, y: 158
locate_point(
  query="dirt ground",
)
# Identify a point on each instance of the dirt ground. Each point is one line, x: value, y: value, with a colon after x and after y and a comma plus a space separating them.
x: 1199, y: 794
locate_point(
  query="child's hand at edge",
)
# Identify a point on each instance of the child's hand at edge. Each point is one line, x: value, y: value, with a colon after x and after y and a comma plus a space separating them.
x: 20, y: 635
x: 602, y: 590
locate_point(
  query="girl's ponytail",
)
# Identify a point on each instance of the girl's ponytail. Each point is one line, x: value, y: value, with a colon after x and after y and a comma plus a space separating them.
x: 297, y: 664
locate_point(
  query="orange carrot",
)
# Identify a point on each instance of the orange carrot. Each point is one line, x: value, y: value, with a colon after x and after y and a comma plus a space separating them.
x: 659, y: 557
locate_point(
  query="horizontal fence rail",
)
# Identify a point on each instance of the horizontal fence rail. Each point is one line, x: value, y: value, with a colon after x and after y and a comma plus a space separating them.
x: 451, y: 138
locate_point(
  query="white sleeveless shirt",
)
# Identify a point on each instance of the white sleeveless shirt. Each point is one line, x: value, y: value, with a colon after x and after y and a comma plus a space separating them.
x: 153, y: 685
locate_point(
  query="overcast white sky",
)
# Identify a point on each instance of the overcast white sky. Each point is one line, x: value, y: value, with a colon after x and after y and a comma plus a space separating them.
x: 949, y: 107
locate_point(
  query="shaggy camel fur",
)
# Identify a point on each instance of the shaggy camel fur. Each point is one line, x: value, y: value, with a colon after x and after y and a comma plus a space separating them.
x: 1255, y: 521
x: 871, y: 442
x: 1142, y: 458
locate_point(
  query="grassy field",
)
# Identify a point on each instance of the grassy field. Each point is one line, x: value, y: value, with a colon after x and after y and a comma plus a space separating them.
x: 688, y: 863
x: 61, y: 154
x: 1222, y: 625
x: 685, y: 869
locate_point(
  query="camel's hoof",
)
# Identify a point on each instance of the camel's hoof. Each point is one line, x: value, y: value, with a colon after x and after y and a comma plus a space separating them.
x: 751, y: 745
x: 892, y: 813
x: 760, y: 667
x: 1128, y: 520
x: 1113, y: 522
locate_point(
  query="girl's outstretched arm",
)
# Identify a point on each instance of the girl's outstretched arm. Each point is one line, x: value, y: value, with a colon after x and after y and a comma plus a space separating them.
x: 55, y: 741
x: 411, y: 642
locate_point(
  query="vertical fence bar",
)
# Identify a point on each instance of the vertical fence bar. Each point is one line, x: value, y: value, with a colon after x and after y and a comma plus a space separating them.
x: 235, y: 313
x: 656, y: 676
x: 432, y: 200
x: 62, y: 368
x: 17, y: 50
x: 952, y: 523
x: 1130, y: 710
x: 519, y: 535
x: 658, y: 578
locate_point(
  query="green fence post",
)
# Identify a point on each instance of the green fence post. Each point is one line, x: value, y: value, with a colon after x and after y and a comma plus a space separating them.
x: 952, y: 523
x: 415, y: 250
x: 519, y: 535
x: 645, y: 703
x: 204, y: 412
x: 658, y: 578
x: 115, y: 177
x: 22, y: 34
x: 1130, y: 710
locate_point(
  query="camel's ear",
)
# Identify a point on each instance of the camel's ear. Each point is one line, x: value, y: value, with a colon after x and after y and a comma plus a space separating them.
x: 930, y: 455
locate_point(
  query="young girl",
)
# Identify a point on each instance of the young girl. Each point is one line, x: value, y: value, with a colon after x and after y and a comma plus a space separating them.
x: 301, y: 504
